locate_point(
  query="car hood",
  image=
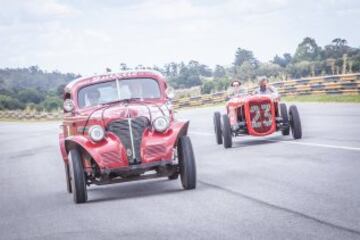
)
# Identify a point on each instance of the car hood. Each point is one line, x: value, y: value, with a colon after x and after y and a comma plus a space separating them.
x: 124, y: 111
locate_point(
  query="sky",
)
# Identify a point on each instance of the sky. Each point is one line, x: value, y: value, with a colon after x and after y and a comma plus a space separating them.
x: 87, y: 36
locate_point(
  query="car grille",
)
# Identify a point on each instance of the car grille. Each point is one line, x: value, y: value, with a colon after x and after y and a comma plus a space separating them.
x: 121, y: 128
x: 261, y: 118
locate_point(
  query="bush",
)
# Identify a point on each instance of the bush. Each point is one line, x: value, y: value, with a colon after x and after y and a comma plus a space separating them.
x: 9, y: 103
x: 30, y: 96
x: 52, y: 103
x: 207, y: 87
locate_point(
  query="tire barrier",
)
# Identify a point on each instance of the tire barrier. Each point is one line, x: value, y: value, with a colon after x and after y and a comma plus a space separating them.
x: 24, y: 115
x: 347, y: 84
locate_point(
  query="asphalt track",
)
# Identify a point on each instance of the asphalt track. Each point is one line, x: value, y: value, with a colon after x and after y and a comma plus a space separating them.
x: 262, y: 188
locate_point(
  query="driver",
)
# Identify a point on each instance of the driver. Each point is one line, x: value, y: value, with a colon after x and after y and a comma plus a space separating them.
x: 264, y: 88
x: 236, y: 89
x: 93, y: 97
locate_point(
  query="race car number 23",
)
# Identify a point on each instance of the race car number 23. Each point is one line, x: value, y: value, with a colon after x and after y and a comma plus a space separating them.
x: 266, y: 116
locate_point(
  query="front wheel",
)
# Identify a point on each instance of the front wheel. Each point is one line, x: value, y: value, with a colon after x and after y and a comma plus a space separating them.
x: 186, y: 163
x: 226, y: 131
x: 295, y: 122
x: 68, y: 178
x: 217, y: 127
x: 285, y: 119
x: 77, y: 176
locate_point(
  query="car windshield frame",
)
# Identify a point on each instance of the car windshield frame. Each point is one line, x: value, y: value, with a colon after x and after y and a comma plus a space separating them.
x: 81, y: 103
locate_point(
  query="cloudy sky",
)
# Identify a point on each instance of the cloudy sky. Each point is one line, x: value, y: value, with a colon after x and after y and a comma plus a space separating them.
x: 86, y: 36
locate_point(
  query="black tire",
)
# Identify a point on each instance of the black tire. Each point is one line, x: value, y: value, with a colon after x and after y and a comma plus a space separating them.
x: 77, y: 176
x: 217, y: 127
x: 187, y: 165
x: 285, y: 118
x: 226, y: 132
x: 295, y: 122
x: 67, y: 178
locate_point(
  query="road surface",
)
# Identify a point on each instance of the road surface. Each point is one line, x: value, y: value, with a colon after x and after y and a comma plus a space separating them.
x: 262, y: 188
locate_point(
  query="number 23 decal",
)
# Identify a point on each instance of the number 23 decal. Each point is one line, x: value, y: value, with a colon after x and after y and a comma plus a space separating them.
x: 267, y: 119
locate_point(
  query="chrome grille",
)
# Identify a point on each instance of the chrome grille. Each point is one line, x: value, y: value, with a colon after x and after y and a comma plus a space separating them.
x: 121, y: 128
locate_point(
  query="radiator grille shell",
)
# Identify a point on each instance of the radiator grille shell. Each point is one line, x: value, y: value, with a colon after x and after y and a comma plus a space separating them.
x: 121, y: 129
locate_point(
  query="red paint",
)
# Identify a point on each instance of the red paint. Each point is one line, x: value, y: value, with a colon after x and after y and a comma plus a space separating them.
x: 244, y: 103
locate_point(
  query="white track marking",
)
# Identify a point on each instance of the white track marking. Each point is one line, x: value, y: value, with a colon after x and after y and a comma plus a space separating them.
x: 317, y: 145
x: 202, y: 133
x: 294, y: 142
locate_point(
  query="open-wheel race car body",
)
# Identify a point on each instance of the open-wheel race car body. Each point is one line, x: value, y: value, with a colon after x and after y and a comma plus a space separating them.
x: 127, y: 133
x: 255, y: 115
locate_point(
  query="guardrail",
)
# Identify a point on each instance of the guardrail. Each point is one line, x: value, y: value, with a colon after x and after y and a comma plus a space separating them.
x: 24, y: 115
x: 337, y: 84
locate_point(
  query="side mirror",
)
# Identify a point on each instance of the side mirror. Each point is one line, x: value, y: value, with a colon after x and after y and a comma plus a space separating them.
x: 170, y: 92
x: 68, y: 105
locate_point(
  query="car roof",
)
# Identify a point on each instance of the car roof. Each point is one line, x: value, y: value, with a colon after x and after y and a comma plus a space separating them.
x: 83, y: 81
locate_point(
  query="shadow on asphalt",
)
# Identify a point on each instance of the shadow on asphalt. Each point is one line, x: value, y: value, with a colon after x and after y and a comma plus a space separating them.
x: 133, y: 190
x: 238, y: 142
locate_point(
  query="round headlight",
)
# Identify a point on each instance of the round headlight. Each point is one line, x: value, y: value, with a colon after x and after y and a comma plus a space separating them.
x: 68, y: 105
x: 96, y: 133
x: 161, y: 124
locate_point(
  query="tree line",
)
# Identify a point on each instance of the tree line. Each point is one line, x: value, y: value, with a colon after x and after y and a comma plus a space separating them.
x: 37, y: 89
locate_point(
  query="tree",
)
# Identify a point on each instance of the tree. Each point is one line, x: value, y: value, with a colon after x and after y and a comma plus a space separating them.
x: 246, y: 71
x: 52, y: 103
x: 299, y: 69
x: 60, y: 90
x: 7, y: 102
x: 282, y: 61
x: 205, y: 71
x: 30, y: 95
x: 243, y: 55
x: 307, y: 50
x: 219, y: 71
x: 269, y: 70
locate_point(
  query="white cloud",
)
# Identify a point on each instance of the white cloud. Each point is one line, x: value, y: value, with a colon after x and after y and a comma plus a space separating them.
x: 87, y: 36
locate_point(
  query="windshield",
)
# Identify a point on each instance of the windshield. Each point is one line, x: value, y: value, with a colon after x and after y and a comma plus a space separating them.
x: 100, y: 93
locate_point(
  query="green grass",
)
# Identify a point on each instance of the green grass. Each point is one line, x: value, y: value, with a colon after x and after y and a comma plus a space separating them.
x: 323, y: 98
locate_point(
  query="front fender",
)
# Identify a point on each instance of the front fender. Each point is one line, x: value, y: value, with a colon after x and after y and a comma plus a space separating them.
x: 159, y: 146
x: 108, y: 153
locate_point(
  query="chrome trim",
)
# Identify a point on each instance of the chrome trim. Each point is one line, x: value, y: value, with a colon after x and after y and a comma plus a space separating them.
x: 132, y: 139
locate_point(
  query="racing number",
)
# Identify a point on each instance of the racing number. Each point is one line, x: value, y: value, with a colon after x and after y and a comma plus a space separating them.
x: 255, y: 123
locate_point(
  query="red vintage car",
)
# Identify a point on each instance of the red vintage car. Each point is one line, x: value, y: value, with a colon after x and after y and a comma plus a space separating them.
x: 121, y: 127
x: 255, y: 115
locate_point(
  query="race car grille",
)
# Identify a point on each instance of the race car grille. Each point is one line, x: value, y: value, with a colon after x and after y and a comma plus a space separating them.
x: 154, y: 150
x: 130, y: 133
x: 261, y: 118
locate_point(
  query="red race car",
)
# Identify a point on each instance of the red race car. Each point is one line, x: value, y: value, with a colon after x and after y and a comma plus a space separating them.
x: 121, y: 127
x: 257, y: 115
